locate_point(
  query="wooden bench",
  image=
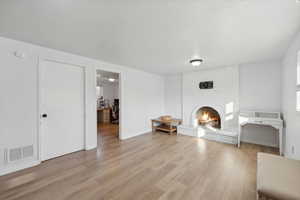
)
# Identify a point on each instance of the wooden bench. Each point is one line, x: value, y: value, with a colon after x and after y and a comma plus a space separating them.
x: 169, y: 126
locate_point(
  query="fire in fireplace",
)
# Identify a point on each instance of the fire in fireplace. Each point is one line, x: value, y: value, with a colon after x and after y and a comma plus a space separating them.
x: 208, y: 116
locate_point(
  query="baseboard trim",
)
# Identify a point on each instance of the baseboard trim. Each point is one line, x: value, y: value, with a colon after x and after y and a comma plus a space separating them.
x: 90, y: 148
x: 136, y: 134
x: 17, y: 167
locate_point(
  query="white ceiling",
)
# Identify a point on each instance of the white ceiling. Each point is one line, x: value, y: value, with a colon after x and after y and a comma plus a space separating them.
x: 159, y: 36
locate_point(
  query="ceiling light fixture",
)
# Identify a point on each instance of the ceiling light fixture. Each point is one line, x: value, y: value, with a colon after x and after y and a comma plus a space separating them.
x: 196, y: 62
x: 111, y: 80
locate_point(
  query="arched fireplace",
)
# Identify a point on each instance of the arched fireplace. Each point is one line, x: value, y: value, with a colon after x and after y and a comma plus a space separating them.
x: 207, y: 116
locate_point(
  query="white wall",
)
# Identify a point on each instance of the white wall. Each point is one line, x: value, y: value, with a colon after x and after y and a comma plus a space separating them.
x: 173, y: 96
x: 291, y: 117
x: 142, y: 97
x: 260, y: 89
x: 260, y: 86
x: 116, y: 91
x: 110, y: 91
x: 18, y: 101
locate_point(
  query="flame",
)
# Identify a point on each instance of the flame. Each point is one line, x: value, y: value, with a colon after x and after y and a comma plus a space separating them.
x: 208, y: 119
x: 205, y: 116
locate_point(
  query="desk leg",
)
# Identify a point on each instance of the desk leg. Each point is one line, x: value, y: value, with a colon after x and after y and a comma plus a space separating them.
x: 153, y: 129
x: 280, y: 141
x: 239, y: 136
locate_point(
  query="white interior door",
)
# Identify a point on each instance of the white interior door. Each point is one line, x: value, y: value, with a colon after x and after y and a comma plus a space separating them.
x: 62, y: 106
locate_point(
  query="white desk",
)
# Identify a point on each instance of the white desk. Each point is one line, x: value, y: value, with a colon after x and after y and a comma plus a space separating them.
x: 261, y: 118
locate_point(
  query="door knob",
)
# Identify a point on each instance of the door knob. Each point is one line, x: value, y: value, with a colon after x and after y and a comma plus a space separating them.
x: 44, y: 115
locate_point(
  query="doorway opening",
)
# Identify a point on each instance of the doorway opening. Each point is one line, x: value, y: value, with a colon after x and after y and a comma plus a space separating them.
x: 108, y: 109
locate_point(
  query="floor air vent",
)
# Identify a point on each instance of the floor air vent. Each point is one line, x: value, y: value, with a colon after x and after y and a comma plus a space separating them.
x: 27, y: 151
x: 15, y: 154
x: 20, y: 153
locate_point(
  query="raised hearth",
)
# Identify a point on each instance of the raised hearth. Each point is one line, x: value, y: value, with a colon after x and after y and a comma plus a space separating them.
x: 225, y: 136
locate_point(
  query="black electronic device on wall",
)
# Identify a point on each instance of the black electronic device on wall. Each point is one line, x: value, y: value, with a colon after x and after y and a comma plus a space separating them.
x: 206, y: 85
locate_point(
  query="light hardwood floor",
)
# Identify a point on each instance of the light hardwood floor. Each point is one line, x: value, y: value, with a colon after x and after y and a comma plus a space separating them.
x: 151, y: 166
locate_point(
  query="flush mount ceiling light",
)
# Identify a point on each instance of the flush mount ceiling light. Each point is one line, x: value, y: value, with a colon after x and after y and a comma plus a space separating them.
x: 196, y: 62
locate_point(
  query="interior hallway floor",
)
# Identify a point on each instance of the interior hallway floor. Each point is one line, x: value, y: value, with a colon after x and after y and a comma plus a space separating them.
x: 107, y: 133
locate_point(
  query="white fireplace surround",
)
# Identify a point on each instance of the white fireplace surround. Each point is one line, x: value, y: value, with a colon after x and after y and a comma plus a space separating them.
x: 224, y: 98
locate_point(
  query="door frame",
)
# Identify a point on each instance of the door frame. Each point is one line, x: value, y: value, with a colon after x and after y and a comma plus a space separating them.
x: 39, y: 100
x: 121, y: 83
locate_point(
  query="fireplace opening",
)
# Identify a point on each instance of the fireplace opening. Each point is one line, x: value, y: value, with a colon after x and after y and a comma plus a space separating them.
x: 208, y: 116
